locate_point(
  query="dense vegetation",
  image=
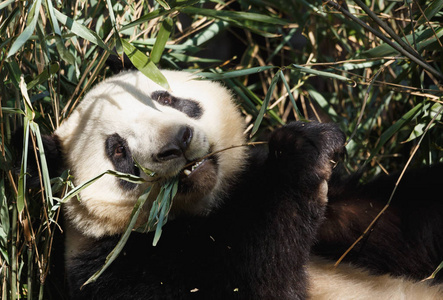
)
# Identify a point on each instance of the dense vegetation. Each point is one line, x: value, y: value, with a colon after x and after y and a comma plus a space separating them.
x: 373, y: 67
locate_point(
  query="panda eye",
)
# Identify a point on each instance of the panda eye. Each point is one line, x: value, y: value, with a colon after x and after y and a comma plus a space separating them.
x: 187, y: 106
x: 119, y: 150
x: 165, y: 99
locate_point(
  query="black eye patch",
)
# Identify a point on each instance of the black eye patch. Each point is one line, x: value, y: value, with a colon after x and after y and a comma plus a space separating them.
x: 118, y: 152
x: 186, y: 106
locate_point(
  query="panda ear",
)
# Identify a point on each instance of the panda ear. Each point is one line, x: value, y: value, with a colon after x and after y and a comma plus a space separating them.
x: 118, y: 64
x: 53, y: 156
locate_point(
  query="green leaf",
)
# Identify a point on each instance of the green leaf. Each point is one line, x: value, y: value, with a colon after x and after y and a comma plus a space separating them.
x: 44, y: 76
x: 324, y: 104
x: 434, y: 7
x: 124, y: 238
x: 419, y: 129
x: 394, y: 129
x: 162, y: 38
x: 265, y: 104
x: 144, y: 64
x: 22, y: 178
x: 440, y: 266
x: 236, y: 73
x: 204, y: 36
x: 148, y: 17
x: 81, y: 30
x: 291, y: 97
x: 26, y: 34
x: 127, y: 177
x: 4, y: 216
x: 231, y: 16
x: 423, y: 39
x: 324, y: 74
x: 164, y: 4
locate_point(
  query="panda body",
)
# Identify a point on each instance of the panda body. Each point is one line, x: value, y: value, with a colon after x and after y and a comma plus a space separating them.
x: 244, y: 220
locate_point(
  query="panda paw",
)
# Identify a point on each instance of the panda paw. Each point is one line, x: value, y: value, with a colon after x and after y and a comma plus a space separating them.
x: 307, y: 145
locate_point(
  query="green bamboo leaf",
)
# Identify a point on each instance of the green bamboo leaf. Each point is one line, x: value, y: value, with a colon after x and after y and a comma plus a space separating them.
x: 423, y: 40
x: 291, y: 97
x: 394, y: 129
x: 148, y: 17
x: 234, y: 16
x: 5, y: 3
x: 52, y: 18
x: 430, y: 113
x: 44, y: 76
x: 22, y: 177
x: 4, y: 216
x: 324, y: 74
x: 324, y: 104
x: 43, y: 164
x: 236, y: 73
x: 26, y: 34
x: 76, y: 191
x: 170, y: 190
x: 162, y: 38
x: 10, y: 110
x: 438, y: 269
x: 81, y: 30
x: 265, y: 104
x: 144, y: 170
x: 164, y: 4
x: 124, y: 238
x: 434, y: 7
x: 205, y: 36
x: 144, y: 64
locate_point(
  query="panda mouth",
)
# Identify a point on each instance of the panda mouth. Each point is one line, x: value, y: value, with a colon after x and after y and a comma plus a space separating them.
x: 195, y: 166
x: 198, y: 178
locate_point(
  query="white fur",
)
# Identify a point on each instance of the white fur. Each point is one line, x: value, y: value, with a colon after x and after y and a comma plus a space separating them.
x: 122, y: 104
x: 346, y: 282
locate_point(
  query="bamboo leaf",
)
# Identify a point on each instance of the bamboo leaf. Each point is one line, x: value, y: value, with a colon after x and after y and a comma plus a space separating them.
x: 44, y: 76
x: 144, y: 64
x: 162, y: 38
x: 124, y: 238
x: 164, y: 4
x: 324, y: 104
x: 324, y: 74
x: 265, y: 104
x: 127, y: 177
x: 26, y: 34
x: 80, y: 30
x: 291, y: 97
x: 236, y: 73
x: 231, y: 16
x: 394, y: 129
x: 434, y: 7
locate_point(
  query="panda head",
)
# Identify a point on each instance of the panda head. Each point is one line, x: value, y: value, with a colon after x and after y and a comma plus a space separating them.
x: 129, y: 117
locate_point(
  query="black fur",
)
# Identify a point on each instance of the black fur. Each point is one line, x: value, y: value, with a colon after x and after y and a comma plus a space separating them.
x: 406, y: 240
x: 254, y: 247
x: 120, y: 155
x: 186, y: 106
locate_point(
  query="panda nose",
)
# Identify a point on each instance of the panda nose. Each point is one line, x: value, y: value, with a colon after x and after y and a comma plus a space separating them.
x: 177, y: 146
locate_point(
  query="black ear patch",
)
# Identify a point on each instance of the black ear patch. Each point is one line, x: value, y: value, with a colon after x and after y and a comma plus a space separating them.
x: 186, y: 106
x: 119, y: 153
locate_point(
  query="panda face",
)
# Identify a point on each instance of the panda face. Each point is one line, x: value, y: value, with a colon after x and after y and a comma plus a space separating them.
x: 128, y: 117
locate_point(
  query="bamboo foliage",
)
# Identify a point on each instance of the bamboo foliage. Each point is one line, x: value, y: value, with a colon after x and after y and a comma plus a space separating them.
x: 373, y: 67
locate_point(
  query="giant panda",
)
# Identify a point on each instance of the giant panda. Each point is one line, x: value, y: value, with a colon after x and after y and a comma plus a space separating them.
x: 246, y: 223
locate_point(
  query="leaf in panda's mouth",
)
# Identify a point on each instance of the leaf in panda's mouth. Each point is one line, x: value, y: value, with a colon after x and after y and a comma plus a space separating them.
x: 144, y: 170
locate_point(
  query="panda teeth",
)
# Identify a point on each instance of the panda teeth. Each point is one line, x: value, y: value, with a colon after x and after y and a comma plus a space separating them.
x: 187, y: 172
